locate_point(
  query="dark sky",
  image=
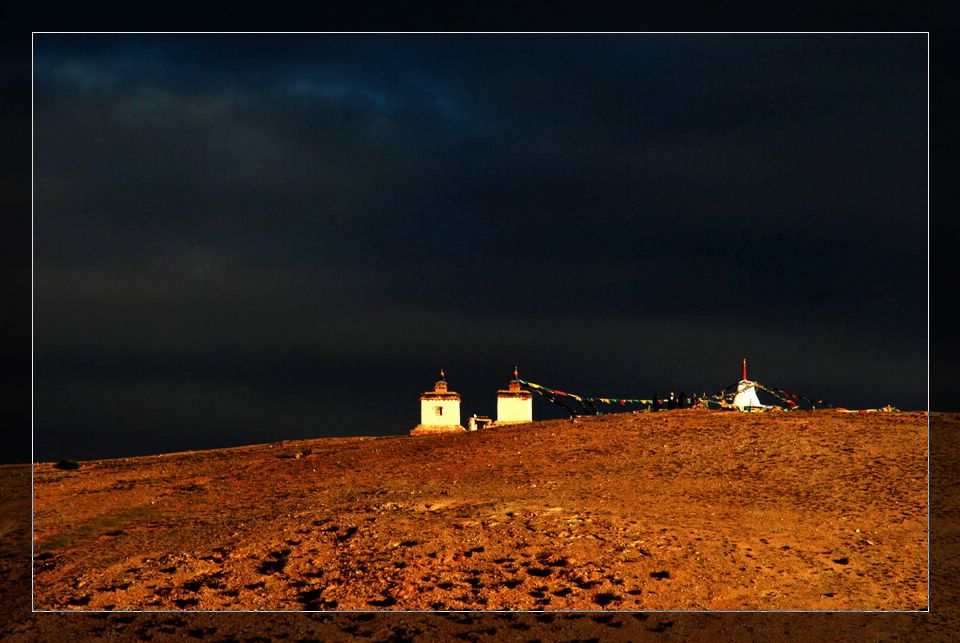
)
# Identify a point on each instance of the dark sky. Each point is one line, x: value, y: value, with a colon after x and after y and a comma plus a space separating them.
x: 250, y: 238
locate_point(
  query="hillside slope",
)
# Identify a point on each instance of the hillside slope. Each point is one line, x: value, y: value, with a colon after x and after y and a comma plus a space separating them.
x: 689, y: 510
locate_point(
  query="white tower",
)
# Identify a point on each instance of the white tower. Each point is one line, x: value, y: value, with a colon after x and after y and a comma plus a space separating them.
x: 746, y: 398
x: 439, y: 410
x: 514, y: 405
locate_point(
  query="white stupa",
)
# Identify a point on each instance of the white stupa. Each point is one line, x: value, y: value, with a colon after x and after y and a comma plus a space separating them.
x: 439, y: 410
x: 746, y: 398
x: 514, y: 405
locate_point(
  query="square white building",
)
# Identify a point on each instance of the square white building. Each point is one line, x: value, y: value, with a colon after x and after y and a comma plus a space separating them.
x: 439, y: 410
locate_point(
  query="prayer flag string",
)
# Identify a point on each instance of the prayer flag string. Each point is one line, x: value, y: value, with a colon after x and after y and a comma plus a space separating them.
x: 722, y: 400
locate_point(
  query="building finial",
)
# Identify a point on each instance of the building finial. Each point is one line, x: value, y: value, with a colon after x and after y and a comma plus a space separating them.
x: 516, y: 373
x: 744, y: 369
x: 443, y: 378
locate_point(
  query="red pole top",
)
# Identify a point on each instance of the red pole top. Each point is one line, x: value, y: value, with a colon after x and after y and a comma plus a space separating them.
x: 744, y: 376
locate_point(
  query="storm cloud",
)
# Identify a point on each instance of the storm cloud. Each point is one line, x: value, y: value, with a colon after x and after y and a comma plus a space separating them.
x: 246, y: 238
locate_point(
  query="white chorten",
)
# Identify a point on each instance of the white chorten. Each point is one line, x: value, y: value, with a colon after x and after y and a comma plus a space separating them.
x: 514, y: 405
x: 746, y: 398
x: 439, y: 410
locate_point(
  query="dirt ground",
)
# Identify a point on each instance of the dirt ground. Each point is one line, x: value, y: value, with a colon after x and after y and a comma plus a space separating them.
x: 684, y: 510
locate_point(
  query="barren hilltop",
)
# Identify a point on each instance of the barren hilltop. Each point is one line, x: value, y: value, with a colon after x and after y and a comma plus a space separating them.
x: 681, y: 510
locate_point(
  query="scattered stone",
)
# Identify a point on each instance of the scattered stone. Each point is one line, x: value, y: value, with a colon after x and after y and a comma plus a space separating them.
x: 539, y: 571
x: 605, y: 598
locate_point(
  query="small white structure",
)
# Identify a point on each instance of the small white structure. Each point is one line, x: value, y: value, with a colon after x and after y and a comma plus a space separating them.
x: 746, y: 398
x: 439, y: 410
x: 474, y: 422
x: 514, y: 405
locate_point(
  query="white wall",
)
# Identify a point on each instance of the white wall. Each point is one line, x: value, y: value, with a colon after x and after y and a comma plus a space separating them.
x: 449, y: 417
x: 746, y: 396
x: 514, y: 409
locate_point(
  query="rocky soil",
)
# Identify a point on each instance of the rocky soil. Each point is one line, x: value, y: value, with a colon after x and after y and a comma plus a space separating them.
x: 614, y: 517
